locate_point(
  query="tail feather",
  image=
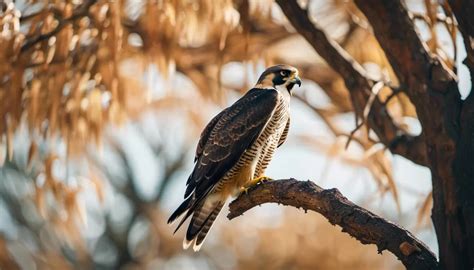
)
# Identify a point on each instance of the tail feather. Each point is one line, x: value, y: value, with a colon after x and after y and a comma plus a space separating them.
x: 201, y: 222
x: 191, y: 210
x: 207, y: 226
x: 189, y: 206
x: 200, y: 217
x: 186, y: 243
x: 190, y: 186
x: 181, y: 209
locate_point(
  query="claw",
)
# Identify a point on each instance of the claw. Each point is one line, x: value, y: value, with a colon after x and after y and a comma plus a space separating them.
x: 244, y: 190
x: 254, y: 182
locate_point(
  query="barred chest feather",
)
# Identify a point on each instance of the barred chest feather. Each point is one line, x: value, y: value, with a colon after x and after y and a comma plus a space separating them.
x: 268, y: 140
x: 255, y: 160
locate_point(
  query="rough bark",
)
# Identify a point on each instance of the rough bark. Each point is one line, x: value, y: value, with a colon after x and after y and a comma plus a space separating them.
x: 463, y: 167
x: 432, y: 87
x: 360, y: 223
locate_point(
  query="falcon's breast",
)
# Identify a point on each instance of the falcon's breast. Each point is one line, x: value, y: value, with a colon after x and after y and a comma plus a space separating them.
x: 255, y: 159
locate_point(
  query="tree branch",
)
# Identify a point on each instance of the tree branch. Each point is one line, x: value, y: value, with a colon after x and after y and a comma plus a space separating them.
x: 447, y: 122
x: 406, y: 52
x: 354, y: 76
x: 360, y: 223
x: 80, y: 12
x: 430, y: 84
x: 403, y: 48
x: 334, y: 55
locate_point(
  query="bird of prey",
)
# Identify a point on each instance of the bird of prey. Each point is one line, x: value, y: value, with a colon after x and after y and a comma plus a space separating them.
x: 234, y: 150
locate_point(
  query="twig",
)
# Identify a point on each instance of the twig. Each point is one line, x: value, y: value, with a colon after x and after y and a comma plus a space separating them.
x: 80, y: 12
x: 28, y: 17
x: 360, y: 223
x: 394, y: 93
x: 373, y: 95
x: 351, y: 135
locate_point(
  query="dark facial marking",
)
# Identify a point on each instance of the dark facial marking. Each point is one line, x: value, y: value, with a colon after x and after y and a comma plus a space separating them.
x: 281, y: 77
x: 275, y: 70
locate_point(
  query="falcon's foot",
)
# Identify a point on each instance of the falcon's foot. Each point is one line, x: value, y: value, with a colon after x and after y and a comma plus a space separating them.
x: 254, y: 182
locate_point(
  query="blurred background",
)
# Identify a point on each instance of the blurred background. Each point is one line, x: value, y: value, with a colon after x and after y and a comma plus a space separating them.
x: 102, y: 103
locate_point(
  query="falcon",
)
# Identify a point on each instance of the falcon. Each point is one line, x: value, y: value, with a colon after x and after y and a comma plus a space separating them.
x: 234, y: 150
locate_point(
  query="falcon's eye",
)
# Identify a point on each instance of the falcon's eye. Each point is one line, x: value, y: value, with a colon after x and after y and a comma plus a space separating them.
x: 284, y: 73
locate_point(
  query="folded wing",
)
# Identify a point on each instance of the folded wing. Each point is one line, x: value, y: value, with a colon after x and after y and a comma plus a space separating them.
x: 223, y: 142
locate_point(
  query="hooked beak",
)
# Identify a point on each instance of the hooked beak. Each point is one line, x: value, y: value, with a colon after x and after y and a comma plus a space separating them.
x: 296, y: 80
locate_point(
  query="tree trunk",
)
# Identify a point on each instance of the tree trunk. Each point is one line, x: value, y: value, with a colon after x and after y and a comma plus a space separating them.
x: 460, y: 226
x: 455, y: 231
x: 447, y: 141
x: 452, y: 170
x: 447, y: 124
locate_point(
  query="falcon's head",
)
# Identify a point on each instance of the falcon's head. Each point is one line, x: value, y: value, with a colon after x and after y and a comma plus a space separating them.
x: 278, y: 76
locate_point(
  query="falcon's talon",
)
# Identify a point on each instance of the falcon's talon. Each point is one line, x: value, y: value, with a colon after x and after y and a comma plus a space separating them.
x: 265, y: 179
x: 245, y: 190
x: 255, y: 182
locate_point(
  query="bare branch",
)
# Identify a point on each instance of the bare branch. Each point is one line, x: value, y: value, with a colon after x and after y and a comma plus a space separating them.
x: 28, y: 17
x: 408, y: 55
x: 400, y: 19
x: 360, y: 223
x: 80, y: 12
x: 365, y: 114
x: 353, y: 73
x: 336, y: 57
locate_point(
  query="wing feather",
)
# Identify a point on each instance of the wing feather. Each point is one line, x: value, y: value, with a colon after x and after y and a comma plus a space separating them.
x: 236, y: 129
x: 206, y: 133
